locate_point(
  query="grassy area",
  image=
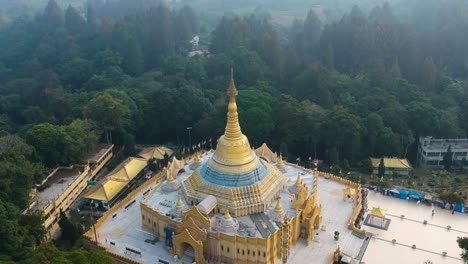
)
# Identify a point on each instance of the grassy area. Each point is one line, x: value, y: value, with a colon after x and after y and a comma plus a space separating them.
x: 422, y: 179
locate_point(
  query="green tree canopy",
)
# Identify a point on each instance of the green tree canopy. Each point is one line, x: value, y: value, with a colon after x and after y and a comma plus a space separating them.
x: 108, y: 113
x: 447, y: 159
x: 381, y: 167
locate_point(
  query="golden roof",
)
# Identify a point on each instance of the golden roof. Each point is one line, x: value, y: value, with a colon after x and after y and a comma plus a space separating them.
x: 116, y: 180
x: 392, y: 163
x: 174, y: 166
x: 155, y: 152
x: 379, y: 212
x: 265, y: 152
x: 128, y: 169
x: 349, y: 191
x: 106, y: 190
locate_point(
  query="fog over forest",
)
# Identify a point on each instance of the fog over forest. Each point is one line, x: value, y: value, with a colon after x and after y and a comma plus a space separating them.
x: 337, y: 80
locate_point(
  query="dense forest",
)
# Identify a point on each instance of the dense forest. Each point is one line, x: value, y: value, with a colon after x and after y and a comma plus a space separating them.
x: 368, y: 83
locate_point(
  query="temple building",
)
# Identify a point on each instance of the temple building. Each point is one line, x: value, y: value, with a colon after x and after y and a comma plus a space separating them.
x: 234, y: 206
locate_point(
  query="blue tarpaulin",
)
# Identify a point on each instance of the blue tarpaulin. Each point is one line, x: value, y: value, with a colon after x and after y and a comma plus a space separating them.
x: 416, y: 195
x: 459, y: 207
x: 404, y: 194
x: 169, y: 237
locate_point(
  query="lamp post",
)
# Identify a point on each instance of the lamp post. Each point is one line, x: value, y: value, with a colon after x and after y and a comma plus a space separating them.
x: 189, y: 140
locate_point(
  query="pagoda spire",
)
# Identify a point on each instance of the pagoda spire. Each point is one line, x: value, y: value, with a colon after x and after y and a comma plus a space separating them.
x: 233, y: 130
x: 169, y: 176
x: 278, y: 207
x: 179, y: 201
x: 298, y: 180
x: 227, y: 215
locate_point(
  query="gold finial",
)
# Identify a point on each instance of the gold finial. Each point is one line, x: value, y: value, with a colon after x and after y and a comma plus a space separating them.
x: 280, y: 160
x: 169, y: 176
x: 338, y: 250
x: 197, y: 157
x: 179, y: 201
x: 226, y: 214
x: 298, y: 181
x: 233, y: 130
x: 278, y: 207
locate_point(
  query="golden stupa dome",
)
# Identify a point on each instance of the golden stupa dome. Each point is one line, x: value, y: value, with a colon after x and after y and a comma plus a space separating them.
x: 234, y: 174
x: 233, y: 147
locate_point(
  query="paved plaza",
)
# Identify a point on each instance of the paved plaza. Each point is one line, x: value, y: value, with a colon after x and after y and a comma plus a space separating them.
x: 336, y: 214
x: 124, y: 230
x: 431, y: 239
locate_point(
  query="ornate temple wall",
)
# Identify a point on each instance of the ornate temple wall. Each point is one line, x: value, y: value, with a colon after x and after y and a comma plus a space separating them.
x: 247, y: 249
x: 156, y: 223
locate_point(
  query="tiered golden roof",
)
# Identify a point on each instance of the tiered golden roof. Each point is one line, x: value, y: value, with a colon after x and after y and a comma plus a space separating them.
x: 116, y: 180
x: 155, y: 152
x: 266, y: 153
x: 395, y: 163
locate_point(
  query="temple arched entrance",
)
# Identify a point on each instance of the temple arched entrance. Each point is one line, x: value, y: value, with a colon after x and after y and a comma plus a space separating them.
x: 185, y: 245
x: 188, y: 250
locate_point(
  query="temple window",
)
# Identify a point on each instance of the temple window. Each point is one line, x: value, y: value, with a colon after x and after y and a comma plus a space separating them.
x: 222, y: 248
x: 228, y: 249
x: 243, y: 252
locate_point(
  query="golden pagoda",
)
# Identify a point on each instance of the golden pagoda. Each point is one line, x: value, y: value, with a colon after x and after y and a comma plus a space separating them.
x: 232, y: 205
x: 234, y: 174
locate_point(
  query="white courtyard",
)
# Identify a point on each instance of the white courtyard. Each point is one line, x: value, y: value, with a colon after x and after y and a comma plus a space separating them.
x: 122, y: 232
x: 431, y: 239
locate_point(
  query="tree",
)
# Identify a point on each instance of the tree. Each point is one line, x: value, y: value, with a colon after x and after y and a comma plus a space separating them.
x: 429, y: 74
x: 74, y: 22
x: 48, y: 253
x: 451, y: 197
x: 381, y: 167
x: 53, y: 15
x: 345, y: 166
x: 50, y: 142
x: 82, y: 140
x: 107, y: 112
x: 463, y: 244
x: 70, y: 232
x: 312, y: 29
x: 447, y: 158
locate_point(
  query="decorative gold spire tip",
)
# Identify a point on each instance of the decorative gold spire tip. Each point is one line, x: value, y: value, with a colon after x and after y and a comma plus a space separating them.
x: 179, y: 201
x: 280, y: 160
x: 298, y: 181
x: 227, y: 215
x: 169, y: 176
x: 232, y: 90
x: 278, y: 207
